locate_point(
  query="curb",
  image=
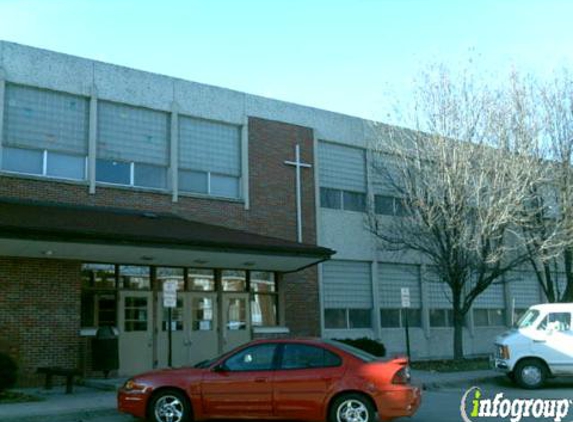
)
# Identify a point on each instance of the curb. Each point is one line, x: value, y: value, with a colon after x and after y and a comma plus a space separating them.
x: 62, y: 416
x: 440, y: 385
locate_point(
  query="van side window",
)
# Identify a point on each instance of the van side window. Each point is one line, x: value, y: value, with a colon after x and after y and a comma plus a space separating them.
x: 559, y: 321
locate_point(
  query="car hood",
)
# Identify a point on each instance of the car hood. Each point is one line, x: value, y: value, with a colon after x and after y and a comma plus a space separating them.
x: 160, y: 376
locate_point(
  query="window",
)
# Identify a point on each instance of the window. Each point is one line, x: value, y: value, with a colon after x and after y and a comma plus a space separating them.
x: 254, y: 358
x: 236, y: 314
x: 441, y: 318
x: 98, y: 299
x: 264, y: 299
x: 134, y: 278
x: 347, y: 318
x: 335, y: 318
x: 396, y: 318
x: 389, y: 205
x: 302, y: 356
x: 489, y: 317
x: 135, y: 314
x: 345, y: 200
x: 209, y: 158
x: 353, y: 201
x: 164, y: 274
x: 176, y: 317
x: 556, y: 321
x: 132, y: 146
x: 359, y: 318
x: 44, y: 163
x: 202, y: 313
x: 234, y: 280
x: 46, y: 133
x: 200, y: 279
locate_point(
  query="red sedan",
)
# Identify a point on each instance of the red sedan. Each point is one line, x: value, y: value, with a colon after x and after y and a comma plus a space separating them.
x: 310, y: 380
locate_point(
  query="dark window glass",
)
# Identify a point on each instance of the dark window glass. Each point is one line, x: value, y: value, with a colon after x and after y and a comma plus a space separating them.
x: 302, y: 356
x: 440, y: 318
x: 497, y: 317
x: 384, y: 205
x: 193, y: 181
x: 23, y: 160
x: 335, y: 318
x: 135, y: 314
x: 109, y: 171
x: 389, y: 318
x: 354, y: 201
x: 202, y: 313
x: 400, y: 209
x: 330, y: 198
x: 147, y: 175
x: 480, y: 318
x: 414, y: 317
x: 255, y: 358
x: 360, y: 318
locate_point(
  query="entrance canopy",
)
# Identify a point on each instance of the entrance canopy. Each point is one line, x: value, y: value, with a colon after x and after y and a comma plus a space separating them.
x: 48, y: 230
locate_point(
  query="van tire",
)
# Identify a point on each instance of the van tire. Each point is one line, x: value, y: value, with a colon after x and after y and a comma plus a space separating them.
x: 530, y: 373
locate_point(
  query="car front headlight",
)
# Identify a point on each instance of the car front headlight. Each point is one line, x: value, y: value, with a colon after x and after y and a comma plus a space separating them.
x: 135, y: 386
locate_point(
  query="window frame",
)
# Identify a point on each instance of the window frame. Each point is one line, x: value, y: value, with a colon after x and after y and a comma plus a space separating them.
x: 208, y: 191
x: 45, y: 158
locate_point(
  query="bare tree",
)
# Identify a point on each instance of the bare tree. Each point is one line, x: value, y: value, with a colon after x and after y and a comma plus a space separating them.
x: 461, y: 179
x: 550, y: 229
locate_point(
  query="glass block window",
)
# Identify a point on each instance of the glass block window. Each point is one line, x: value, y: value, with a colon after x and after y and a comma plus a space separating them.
x: 342, y: 167
x: 45, y: 120
x: 209, y: 157
x: 133, y: 145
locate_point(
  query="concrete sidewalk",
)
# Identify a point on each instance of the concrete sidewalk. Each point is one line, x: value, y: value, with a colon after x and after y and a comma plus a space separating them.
x: 97, y: 397
x: 58, y: 406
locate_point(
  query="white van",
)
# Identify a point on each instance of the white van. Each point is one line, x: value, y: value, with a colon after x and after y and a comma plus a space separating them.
x: 540, y: 346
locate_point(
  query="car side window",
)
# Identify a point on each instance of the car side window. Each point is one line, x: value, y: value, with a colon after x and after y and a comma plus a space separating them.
x: 302, y: 356
x: 254, y: 358
x: 556, y: 321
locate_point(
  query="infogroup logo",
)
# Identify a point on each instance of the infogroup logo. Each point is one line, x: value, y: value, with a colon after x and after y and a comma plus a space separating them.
x: 512, y: 409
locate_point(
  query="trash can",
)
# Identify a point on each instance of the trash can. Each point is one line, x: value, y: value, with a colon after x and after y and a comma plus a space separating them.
x: 105, y: 351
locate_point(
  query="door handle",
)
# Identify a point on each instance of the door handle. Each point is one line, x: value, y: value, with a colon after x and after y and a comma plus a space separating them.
x: 260, y: 379
x: 540, y: 341
x: 327, y: 379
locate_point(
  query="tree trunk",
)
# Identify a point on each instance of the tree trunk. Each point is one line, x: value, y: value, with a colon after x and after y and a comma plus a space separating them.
x: 568, y: 294
x: 458, y: 327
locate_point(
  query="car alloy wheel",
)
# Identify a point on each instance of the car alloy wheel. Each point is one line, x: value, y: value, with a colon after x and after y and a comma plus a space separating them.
x: 352, y: 408
x: 170, y: 406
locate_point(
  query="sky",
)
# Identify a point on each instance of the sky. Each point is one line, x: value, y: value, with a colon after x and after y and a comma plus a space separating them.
x: 357, y: 57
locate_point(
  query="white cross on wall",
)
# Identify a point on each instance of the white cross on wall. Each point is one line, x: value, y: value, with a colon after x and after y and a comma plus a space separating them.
x: 298, y: 165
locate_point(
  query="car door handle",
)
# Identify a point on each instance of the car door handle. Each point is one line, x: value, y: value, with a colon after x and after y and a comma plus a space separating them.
x: 540, y: 341
x: 327, y: 379
x: 260, y: 379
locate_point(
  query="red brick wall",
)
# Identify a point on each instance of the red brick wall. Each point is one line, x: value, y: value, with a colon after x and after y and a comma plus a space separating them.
x: 40, y: 313
x: 43, y: 297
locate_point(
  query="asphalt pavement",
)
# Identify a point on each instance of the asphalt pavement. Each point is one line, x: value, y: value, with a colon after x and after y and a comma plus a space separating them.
x: 441, y: 399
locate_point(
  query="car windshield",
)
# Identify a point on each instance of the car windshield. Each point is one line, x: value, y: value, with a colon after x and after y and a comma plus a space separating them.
x: 527, y: 319
x: 360, y: 354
